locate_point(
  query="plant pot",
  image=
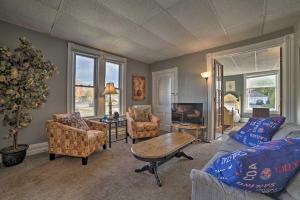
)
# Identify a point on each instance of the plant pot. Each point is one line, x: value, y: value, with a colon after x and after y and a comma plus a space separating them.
x: 11, y: 157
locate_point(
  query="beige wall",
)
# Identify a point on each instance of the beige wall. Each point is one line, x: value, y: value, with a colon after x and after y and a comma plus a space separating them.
x: 297, y: 74
x: 55, y: 50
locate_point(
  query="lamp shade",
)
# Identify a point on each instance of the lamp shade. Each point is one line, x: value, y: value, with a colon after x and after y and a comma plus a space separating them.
x: 109, y: 89
x: 205, y: 75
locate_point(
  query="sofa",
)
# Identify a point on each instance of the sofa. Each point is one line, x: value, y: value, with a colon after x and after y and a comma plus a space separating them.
x: 138, y: 129
x: 207, y: 187
x: 71, y: 141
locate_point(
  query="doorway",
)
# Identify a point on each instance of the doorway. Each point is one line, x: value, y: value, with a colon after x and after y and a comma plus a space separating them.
x: 275, y: 75
x: 164, y: 93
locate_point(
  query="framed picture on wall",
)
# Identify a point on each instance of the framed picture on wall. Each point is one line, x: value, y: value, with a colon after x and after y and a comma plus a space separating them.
x: 138, y: 88
x: 230, y: 86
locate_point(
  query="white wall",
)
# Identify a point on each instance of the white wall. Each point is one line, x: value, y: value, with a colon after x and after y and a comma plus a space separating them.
x: 297, y: 74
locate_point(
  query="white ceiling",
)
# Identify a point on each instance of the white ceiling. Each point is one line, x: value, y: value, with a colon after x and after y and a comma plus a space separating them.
x: 251, y: 62
x: 152, y: 30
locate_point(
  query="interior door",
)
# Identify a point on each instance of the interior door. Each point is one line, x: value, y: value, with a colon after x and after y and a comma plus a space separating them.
x: 164, y: 93
x: 219, y: 100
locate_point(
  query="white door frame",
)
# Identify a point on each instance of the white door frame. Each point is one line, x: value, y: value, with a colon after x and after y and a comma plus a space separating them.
x: 288, y: 72
x: 174, y: 97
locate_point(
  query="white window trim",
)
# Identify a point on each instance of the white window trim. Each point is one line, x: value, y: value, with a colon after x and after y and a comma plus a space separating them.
x: 100, y: 81
x: 258, y: 74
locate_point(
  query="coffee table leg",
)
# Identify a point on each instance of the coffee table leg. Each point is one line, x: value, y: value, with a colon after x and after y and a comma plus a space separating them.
x: 182, y: 154
x: 145, y: 168
x: 154, y: 168
x: 151, y: 168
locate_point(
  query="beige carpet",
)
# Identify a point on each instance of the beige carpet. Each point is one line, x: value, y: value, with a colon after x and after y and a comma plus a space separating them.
x: 109, y: 175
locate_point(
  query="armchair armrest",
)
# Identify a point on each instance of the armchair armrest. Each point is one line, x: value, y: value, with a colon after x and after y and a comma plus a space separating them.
x: 51, y: 126
x: 131, y: 124
x: 95, y: 125
x: 155, y: 119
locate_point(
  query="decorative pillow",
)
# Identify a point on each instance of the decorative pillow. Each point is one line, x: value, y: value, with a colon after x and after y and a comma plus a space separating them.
x: 258, y: 130
x: 74, y: 120
x: 265, y: 168
x: 141, y: 114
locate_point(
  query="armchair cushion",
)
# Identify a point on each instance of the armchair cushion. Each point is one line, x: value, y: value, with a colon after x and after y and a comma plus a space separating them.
x: 146, y: 126
x: 141, y: 114
x: 73, y: 120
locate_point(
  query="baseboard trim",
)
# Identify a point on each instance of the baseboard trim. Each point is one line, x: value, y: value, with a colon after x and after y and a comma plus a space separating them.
x: 35, y: 149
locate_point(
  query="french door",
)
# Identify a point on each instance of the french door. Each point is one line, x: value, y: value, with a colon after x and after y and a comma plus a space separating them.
x: 218, y: 100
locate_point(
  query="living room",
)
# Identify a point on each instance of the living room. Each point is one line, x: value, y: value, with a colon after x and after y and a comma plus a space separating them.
x: 148, y: 81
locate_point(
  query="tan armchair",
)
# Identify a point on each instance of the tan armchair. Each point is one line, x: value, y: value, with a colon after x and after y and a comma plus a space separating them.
x: 70, y: 141
x: 138, y: 130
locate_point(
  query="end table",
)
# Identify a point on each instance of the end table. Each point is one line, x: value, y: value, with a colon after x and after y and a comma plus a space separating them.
x: 120, y: 122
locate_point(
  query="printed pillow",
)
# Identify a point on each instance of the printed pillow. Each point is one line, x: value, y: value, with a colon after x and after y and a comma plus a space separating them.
x: 258, y: 130
x: 265, y: 168
x: 75, y: 120
x: 141, y: 114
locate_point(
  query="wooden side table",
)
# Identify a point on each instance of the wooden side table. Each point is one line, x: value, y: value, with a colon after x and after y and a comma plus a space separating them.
x: 197, y: 128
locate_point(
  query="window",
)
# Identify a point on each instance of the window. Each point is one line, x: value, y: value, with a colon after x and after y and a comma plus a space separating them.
x: 85, y: 85
x: 112, y: 75
x: 262, y: 91
x: 88, y: 72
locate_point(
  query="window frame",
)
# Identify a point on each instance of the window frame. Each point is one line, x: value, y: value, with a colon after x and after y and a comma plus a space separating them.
x: 260, y: 74
x: 94, y: 81
x: 120, y: 81
x: 100, y: 56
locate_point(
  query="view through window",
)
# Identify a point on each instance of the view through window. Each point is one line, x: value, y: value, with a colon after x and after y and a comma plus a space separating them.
x: 112, y: 75
x: 262, y: 92
x: 85, y: 85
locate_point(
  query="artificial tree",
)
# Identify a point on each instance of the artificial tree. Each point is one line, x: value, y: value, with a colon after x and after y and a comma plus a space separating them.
x: 23, y: 85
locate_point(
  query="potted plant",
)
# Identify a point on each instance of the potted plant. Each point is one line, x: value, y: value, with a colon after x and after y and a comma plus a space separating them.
x: 23, y: 87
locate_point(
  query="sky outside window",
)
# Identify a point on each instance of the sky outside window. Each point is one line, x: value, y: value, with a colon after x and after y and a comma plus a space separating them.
x: 84, y: 70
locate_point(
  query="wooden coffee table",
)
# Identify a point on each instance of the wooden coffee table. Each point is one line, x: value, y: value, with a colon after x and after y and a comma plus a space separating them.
x: 161, y: 149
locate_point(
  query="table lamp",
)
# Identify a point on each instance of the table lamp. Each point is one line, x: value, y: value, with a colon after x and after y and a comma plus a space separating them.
x: 110, y: 89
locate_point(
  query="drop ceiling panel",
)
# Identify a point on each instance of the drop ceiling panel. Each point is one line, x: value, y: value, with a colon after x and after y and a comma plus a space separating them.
x: 214, y: 41
x: 167, y: 3
x: 268, y: 59
x: 236, y: 12
x: 138, y: 11
x: 251, y: 62
x: 168, y: 28
x: 171, y: 52
x: 29, y: 14
x: 197, y: 17
x: 68, y: 27
x: 245, y: 62
x: 134, y: 50
x: 277, y: 22
x: 152, y: 30
x: 54, y: 4
x: 92, y: 13
x: 147, y: 39
x: 230, y: 67
x: 282, y: 6
x: 245, y: 31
